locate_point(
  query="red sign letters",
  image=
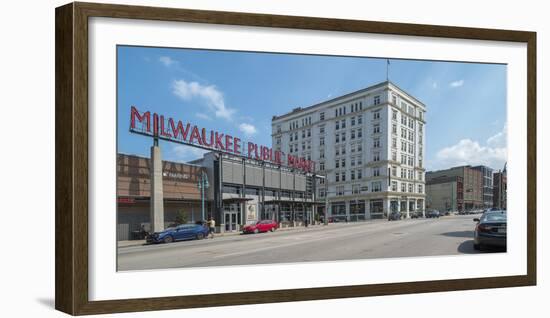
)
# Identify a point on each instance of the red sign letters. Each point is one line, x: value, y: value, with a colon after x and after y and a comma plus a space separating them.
x: 176, y: 131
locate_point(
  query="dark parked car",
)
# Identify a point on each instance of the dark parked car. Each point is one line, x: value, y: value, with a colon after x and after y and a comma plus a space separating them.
x: 260, y: 226
x: 179, y: 233
x: 394, y: 216
x: 432, y: 214
x: 490, y: 230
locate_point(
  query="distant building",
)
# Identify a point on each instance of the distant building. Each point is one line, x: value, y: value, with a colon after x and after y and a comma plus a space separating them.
x: 445, y: 194
x: 499, y: 189
x: 487, y: 184
x: 472, y: 185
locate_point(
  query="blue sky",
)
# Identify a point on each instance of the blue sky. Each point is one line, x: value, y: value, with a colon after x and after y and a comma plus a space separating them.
x: 238, y: 92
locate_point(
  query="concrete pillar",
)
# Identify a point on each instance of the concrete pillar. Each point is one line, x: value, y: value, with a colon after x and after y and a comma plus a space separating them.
x: 367, y: 210
x: 407, y: 209
x: 157, y: 194
x: 347, y: 211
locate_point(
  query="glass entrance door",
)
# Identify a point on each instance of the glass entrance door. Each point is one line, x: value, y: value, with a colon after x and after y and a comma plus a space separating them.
x: 232, y: 218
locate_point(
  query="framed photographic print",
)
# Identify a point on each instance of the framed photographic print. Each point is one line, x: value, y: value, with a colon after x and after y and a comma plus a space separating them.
x: 197, y: 151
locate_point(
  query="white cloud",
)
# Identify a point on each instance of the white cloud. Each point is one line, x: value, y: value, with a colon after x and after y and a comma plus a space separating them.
x: 203, y: 116
x: 183, y: 153
x: 499, y: 139
x: 457, y: 83
x: 167, y: 61
x: 434, y: 85
x: 209, y: 94
x: 470, y: 152
x: 248, y: 129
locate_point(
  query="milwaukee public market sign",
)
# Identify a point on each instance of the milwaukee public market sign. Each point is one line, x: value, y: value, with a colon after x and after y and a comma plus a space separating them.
x: 167, y: 128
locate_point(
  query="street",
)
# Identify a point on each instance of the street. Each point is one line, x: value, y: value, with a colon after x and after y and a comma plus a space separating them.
x: 449, y: 235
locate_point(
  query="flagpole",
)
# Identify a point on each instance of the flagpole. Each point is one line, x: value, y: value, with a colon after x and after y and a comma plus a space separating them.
x: 387, y: 70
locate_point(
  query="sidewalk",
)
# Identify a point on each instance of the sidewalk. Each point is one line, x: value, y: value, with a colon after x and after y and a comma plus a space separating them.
x: 130, y: 243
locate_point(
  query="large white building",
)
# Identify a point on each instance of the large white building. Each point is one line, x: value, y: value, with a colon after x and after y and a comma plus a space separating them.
x: 370, y: 145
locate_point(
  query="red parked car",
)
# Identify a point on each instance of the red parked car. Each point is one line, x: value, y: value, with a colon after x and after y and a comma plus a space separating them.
x: 260, y: 226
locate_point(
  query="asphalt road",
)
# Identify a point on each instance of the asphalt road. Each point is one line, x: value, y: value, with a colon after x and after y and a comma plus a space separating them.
x: 449, y: 235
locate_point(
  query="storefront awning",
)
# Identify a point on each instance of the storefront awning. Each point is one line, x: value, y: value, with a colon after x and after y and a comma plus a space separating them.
x: 277, y: 201
x: 236, y: 200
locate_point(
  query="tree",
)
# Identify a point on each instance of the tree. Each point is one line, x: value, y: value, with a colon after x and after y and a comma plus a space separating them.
x: 181, y: 217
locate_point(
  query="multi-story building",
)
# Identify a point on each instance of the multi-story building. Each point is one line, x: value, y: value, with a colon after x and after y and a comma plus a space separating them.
x: 369, y: 144
x: 487, y: 183
x: 471, y: 183
x: 499, y: 189
x: 445, y: 194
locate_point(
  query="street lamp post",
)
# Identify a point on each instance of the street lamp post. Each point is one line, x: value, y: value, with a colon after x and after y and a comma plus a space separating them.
x: 203, y: 185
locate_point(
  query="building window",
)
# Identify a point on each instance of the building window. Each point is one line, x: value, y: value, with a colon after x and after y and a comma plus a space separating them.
x: 394, y: 186
x: 420, y: 188
x: 344, y: 136
x: 376, y: 129
x: 337, y: 125
x: 377, y: 100
x: 356, y: 188
x: 394, y: 129
x: 303, y: 146
x: 352, y: 161
x: 359, y: 147
x: 394, y: 155
x: 376, y: 115
x: 322, y: 116
x: 278, y: 140
x: 303, y: 134
x: 376, y: 186
x: 359, y: 160
x: 343, y: 162
x: 343, y: 176
x: 411, y: 187
x: 337, y: 151
x: 359, y: 119
x: 359, y: 174
x: 337, y: 177
x: 340, y: 190
x: 359, y: 133
x: 337, y: 164
x: 394, y: 171
x: 352, y: 135
x: 322, y: 141
x: 343, y: 123
x: 376, y: 156
x: 353, y: 121
x: 296, y: 136
x: 420, y: 175
x: 321, y: 166
x: 309, y: 132
x: 403, y: 187
x: 291, y: 139
x: 321, y: 154
x: 394, y: 142
x: 322, y: 130
x: 352, y: 175
x: 376, y: 143
x: 376, y: 172
x: 394, y: 99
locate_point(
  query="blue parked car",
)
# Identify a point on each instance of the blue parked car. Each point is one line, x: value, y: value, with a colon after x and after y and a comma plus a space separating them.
x: 179, y: 233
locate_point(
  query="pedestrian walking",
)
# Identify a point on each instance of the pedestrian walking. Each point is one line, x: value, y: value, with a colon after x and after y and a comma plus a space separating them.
x: 211, y: 227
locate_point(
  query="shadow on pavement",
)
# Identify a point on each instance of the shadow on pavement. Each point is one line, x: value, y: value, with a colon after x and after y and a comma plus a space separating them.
x: 467, y: 247
x: 467, y: 234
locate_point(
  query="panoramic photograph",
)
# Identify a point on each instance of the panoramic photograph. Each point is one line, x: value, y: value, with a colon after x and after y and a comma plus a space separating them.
x: 231, y: 158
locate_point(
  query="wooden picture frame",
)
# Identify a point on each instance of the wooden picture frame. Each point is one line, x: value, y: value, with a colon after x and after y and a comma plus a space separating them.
x: 71, y: 142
